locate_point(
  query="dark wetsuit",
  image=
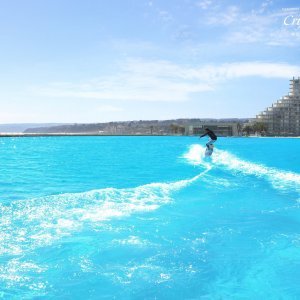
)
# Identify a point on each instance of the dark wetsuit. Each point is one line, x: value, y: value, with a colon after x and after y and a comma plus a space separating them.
x: 212, y: 136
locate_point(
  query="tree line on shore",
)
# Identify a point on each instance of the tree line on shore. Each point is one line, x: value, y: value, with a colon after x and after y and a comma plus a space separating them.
x: 255, y: 128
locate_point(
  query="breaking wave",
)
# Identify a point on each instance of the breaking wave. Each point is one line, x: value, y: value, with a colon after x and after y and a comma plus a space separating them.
x: 28, y: 224
x: 280, y: 179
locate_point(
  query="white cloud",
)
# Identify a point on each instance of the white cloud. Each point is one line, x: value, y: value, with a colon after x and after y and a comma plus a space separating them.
x: 263, y: 25
x: 265, y: 29
x: 225, y: 16
x: 259, y: 69
x: 141, y: 80
x: 165, y: 16
x: 137, y: 80
x: 265, y: 5
x: 204, y: 4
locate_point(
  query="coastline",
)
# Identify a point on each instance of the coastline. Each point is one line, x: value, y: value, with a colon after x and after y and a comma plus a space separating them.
x: 95, y: 134
x: 75, y: 134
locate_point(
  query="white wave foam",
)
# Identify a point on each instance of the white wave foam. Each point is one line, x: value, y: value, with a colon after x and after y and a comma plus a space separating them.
x: 131, y: 240
x: 17, y: 272
x: 279, y: 179
x: 28, y: 224
x: 196, y: 156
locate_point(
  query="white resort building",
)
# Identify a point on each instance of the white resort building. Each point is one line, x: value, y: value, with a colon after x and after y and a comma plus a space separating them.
x: 283, y: 117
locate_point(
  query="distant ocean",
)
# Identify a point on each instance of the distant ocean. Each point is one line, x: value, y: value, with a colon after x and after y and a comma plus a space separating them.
x: 149, y: 218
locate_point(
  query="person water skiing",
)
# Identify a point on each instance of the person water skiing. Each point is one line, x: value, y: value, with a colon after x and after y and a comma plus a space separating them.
x: 212, y: 136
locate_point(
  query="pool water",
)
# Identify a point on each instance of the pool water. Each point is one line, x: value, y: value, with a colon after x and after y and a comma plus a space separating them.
x: 149, y: 218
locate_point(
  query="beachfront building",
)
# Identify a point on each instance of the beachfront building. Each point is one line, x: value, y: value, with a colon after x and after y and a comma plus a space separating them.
x: 220, y: 129
x: 283, y: 117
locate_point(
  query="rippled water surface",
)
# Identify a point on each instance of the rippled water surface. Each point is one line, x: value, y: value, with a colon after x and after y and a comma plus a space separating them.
x: 149, y: 218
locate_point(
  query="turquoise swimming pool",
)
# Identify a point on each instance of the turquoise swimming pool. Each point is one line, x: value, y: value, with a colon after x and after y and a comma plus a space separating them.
x: 149, y: 218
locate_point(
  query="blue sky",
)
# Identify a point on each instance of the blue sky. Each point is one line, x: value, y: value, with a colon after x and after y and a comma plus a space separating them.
x: 98, y: 61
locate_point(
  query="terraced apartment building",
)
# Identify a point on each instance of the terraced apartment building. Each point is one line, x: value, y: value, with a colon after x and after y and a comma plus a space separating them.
x: 283, y: 117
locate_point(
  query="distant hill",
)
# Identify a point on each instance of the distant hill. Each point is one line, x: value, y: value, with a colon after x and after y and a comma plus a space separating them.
x: 130, y: 127
x: 21, y: 127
